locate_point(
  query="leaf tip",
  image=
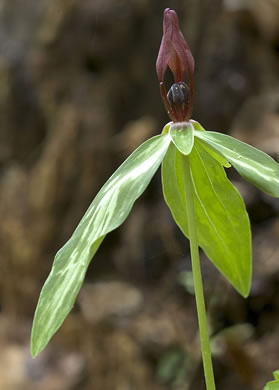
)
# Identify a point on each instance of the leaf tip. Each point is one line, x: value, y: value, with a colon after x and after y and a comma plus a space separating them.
x: 34, y: 350
x: 37, y: 343
x: 245, y: 289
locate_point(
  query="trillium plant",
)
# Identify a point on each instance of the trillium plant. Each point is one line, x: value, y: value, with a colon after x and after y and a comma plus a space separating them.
x: 205, y: 205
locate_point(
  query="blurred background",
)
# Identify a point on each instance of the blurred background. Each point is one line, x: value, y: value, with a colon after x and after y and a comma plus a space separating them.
x: 78, y: 93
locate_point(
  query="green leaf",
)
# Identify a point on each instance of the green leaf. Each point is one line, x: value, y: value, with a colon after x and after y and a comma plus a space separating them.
x: 182, y: 135
x: 223, y: 226
x: 197, y: 125
x: 273, y: 385
x: 216, y: 155
x: 108, y: 211
x: 251, y: 163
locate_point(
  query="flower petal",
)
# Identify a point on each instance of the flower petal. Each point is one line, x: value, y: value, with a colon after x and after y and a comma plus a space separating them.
x: 182, y: 49
x: 176, y: 66
x: 165, y: 47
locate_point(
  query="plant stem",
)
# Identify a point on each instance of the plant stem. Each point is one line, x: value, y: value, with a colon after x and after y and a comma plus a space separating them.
x: 194, y: 249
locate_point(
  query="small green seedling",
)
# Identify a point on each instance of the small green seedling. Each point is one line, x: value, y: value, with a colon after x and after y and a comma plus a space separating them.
x: 204, y: 204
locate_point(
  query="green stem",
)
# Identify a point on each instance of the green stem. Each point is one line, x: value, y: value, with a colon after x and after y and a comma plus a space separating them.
x: 194, y: 248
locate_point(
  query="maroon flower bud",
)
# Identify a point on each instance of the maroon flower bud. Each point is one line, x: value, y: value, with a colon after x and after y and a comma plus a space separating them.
x: 175, y: 54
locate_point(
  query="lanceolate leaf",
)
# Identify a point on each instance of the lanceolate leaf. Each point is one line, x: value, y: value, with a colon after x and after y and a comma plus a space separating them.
x: 222, y: 222
x: 182, y: 135
x: 108, y: 210
x: 251, y: 163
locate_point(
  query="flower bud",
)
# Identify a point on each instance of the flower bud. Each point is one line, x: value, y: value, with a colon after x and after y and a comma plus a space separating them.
x: 176, y: 54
